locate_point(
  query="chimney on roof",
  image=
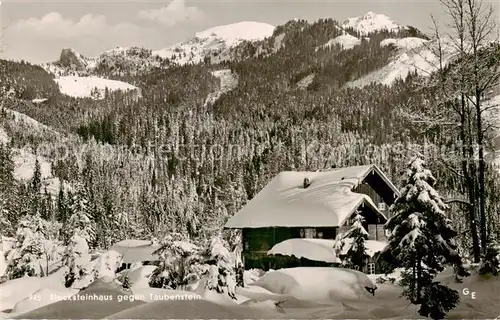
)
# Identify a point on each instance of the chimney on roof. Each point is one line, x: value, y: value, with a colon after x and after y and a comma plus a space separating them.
x: 307, y: 183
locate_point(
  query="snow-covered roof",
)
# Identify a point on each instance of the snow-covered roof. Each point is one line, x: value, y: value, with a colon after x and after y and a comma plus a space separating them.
x: 320, y: 249
x: 328, y: 201
x: 133, y: 250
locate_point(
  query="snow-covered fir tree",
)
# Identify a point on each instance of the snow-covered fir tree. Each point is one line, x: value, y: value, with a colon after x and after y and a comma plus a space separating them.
x: 177, y: 255
x: 76, y: 257
x: 490, y: 263
x: 355, y: 237
x: 80, y: 219
x: 23, y: 258
x: 221, y: 274
x: 422, y: 241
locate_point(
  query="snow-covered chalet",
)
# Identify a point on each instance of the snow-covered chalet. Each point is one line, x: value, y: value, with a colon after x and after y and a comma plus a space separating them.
x: 312, y: 205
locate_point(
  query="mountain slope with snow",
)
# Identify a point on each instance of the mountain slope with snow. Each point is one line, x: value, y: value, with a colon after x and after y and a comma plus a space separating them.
x: 228, y: 82
x: 371, y: 22
x: 345, y: 41
x: 116, y: 61
x: 215, y: 42
x: 412, y: 54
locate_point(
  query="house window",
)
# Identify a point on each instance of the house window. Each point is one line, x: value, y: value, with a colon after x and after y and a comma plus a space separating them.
x: 308, y: 233
x: 371, y: 268
x: 381, y: 206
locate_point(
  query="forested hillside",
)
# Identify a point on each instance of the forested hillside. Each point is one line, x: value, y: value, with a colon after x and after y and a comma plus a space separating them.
x: 169, y: 162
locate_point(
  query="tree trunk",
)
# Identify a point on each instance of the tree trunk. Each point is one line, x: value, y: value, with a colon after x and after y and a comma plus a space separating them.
x: 482, y: 198
x: 419, y: 280
x: 469, y: 181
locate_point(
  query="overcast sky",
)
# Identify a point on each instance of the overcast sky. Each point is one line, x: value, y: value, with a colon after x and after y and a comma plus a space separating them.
x: 37, y: 30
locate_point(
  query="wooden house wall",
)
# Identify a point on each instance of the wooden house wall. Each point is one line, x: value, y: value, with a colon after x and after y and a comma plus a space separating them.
x: 367, y: 189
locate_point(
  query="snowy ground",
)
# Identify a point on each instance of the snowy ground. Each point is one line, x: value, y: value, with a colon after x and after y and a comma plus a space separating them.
x: 305, y: 293
x: 83, y: 87
x: 228, y: 81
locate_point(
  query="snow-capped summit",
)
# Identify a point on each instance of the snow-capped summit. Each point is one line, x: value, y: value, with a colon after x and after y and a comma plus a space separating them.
x: 233, y: 34
x: 371, y: 22
x: 215, y: 41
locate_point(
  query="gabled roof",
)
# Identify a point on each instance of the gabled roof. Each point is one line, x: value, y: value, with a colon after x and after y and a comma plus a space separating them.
x: 328, y: 201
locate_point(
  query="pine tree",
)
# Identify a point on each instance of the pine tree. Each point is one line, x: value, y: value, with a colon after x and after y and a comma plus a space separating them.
x: 422, y: 241
x: 35, y: 189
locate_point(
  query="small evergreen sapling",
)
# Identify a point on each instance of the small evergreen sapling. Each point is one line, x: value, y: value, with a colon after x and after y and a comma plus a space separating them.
x: 422, y: 241
x: 491, y: 260
x: 76, y: 257
x: 357, y: 235
x: 177, y: 255
x: 221, y: 273
x: 126, y: 285
x: 356, y: 255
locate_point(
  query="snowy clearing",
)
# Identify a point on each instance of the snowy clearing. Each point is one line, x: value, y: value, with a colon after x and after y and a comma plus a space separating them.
x: 39, y: 100
x: 24, y: 163
x: 305, y: 82
x: 26, y: 120
x: 345, y: 41
x: 84, y: 87
x: 24, y: 167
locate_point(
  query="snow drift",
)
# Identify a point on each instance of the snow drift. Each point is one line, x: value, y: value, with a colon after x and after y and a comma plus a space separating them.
x: 40, y: 298
x: 177, y: 309
x: 96, y: 302
x: 318, y: 284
